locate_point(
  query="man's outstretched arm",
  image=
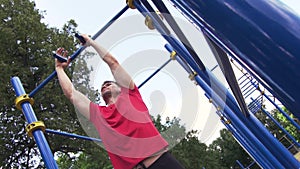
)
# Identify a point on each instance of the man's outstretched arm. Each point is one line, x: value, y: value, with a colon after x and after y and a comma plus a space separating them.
x: 120, y: 74
x: 80, y: 101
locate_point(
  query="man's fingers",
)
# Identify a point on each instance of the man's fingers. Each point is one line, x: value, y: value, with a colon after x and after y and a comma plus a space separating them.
x: 59, y: 50
x: 62, y: 52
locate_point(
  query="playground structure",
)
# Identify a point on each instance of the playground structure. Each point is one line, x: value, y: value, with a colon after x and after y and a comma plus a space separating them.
x: 260, y: 36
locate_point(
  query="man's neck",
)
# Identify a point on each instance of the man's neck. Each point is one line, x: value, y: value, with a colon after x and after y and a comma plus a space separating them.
x: 110, y: 101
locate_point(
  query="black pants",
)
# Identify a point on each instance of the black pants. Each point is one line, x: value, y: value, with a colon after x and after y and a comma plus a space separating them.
x: 166, y: 161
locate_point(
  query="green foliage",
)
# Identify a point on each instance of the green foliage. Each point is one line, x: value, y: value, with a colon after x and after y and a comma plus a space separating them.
x: 227, y: 151
x: 26, y: 51
x: 191, y: 152
x: 283, y: 121
x: 286, y: 124
x: 185, y: 146
x: 84, y: 160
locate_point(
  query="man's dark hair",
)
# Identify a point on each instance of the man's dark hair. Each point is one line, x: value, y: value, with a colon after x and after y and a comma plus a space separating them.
x: 110, y: 81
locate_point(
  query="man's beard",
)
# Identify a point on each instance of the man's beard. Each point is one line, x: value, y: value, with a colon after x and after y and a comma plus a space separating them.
x: 106, y: 95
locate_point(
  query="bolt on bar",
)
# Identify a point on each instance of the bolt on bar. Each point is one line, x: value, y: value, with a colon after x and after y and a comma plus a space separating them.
x: 37, y: 134
x: 251, y: 122
x: 29, y: 112
x: 246, y: 134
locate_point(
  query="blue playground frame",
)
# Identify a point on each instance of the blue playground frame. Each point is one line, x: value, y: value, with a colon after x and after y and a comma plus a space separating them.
x: 255, y: 34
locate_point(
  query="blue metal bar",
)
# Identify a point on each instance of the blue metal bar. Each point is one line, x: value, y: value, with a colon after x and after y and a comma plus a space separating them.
x: 249, y: 136
x: 182, y: 51
x: 283, y: 113
x: 212, y: 69
x: 258, y: 130
x: 240, y: 164
x: 155, y: 15
x: 260, y: 48
x: 154, y: 73
x: 78, y: 51
x: 253, y: 124
x: 278, y: 108
x: 37, y: 134
x: 242, y: 77
x: 256, y: 103
x: 243, y: 141
x: 246, y: 86
x: 249, y: 92
x: 251, y: 164
x: 171, y: 21
x: 73, y: 135
x: 281, y: 128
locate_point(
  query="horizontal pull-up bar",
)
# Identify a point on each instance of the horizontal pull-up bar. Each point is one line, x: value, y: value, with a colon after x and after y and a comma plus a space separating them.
x: 62, y: 133
x: 154, y: 73
x: 76, y: 53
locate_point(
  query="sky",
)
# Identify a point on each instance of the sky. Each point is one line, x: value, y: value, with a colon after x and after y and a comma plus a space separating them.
x: 92, y: 14
x: 170, y: 92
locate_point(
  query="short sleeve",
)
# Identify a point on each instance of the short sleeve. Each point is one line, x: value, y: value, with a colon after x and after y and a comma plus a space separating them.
x: 94, y: 110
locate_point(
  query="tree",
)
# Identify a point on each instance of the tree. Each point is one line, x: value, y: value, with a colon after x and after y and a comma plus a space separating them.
x: 192, y: 153
x: 26, y: 51
x: 286, y: 124
x: 226, y: 150
x: 185, y: 145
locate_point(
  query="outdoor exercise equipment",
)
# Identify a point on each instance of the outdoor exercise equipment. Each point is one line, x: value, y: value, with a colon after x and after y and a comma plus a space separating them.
x: 261, y: 36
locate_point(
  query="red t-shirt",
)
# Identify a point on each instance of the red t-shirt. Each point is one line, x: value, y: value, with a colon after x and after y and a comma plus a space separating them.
x: 126, y: 129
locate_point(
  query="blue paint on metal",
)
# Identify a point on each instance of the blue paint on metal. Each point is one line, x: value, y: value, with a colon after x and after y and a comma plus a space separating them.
x: 266, y: 157
x: 154, y: 73
x: 228, y: 23
x: 73, y: 135
x: 264, y: 34
x: 37, y: 134
x: 78, y: 51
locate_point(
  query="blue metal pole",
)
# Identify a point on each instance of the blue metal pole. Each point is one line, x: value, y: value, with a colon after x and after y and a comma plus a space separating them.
x: 37, y: 134
x: 253, y: 142
x: 253, y: 124
x: 250, y: 165
x: 281, y: 128
x: 274, y: 146
x: 242, y: 128
x: 207, y: 30
x: 277, y: 107
x: 154, y: 73
x: 252, y: 150
x: 171, y: 21
x: 78, y: 51
x: 240, y: 164
x: 73, y: 135
x: 256, y: 131
x: 283, y: 113
x: 244, y: 142
x: 182, y: 51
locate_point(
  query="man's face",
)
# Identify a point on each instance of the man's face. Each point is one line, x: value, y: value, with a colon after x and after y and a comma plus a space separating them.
x: 109, y: 89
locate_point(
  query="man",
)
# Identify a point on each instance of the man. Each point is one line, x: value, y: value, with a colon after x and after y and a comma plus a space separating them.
x: 124, y: 124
